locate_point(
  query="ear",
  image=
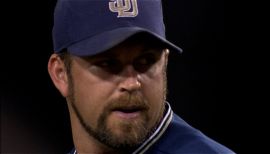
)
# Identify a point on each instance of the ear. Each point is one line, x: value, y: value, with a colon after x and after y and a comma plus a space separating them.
x: 167, y: 52
x: 58, y: 74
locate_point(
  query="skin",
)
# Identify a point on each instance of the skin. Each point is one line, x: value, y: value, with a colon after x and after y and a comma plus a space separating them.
x: 116, y: 98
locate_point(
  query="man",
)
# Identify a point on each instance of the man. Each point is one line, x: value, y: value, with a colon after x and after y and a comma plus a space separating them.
x: 110, y: 64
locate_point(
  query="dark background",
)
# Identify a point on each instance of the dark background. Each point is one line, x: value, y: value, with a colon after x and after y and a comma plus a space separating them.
x: 34, y: 116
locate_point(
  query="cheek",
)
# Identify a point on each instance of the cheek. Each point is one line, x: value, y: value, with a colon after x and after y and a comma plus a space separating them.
x: 84, y: 102
x: 90, y: 96
x: 153, y: 81
x: 153, y: 89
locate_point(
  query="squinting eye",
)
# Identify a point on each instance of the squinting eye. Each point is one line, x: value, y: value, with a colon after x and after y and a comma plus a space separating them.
x: 110, y: 65
x: 144, y: 62
x: 106, y: 63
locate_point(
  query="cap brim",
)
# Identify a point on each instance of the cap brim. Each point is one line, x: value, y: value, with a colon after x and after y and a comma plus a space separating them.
x: 109, y: 39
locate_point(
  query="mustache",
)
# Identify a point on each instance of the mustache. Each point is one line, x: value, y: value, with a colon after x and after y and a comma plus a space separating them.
x: 128, y: 102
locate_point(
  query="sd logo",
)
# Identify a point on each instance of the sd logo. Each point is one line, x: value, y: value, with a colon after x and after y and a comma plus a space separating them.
x: 124, y: 8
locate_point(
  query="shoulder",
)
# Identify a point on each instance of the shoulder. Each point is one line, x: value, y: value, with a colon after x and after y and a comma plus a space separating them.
x: 182, y: 138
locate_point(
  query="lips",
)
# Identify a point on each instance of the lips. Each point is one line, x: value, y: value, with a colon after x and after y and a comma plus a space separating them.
x: 128, y: 112
x: 129, y: 109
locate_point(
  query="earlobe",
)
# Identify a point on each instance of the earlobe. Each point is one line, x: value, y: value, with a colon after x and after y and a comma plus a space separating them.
x: 58, y: 74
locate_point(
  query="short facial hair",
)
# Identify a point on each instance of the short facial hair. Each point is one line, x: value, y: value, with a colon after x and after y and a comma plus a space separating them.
x: 103, y: 134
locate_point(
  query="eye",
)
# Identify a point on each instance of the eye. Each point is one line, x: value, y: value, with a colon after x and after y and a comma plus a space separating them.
x: 106, y: 63
x: 144, y: 62
x: 110, y: 65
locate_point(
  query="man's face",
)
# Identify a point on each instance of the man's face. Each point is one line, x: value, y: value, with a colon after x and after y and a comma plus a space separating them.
x: 118, y: 96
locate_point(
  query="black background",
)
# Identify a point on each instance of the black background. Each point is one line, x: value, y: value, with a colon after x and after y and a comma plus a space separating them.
x: 34, y: 116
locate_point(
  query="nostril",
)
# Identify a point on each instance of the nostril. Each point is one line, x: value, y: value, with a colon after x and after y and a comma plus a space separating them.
x: 130, y: 86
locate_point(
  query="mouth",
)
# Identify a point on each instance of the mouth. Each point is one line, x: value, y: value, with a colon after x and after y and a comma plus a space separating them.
x: 128, y: 112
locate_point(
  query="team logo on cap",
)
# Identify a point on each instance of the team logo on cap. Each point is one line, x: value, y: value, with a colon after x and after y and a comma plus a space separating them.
x: 124, y: 8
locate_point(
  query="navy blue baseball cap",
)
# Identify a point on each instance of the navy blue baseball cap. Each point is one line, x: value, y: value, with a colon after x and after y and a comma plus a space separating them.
x: 89, y: 27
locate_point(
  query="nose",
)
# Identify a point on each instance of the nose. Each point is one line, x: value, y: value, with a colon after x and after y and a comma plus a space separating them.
x: 131, y: 80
